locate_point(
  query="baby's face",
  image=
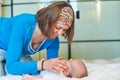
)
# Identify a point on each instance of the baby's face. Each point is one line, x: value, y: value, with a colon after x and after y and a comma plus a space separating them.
x: 76, y: 68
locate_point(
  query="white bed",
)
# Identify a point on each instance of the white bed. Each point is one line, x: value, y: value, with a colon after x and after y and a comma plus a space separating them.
x: 99, y: 69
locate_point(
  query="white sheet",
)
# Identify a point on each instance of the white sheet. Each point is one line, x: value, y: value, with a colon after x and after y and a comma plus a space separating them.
x: 99, y: 69
x: 11, y: 77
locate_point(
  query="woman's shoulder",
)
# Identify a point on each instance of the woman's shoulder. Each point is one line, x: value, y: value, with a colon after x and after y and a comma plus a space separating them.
x: 25, y: 16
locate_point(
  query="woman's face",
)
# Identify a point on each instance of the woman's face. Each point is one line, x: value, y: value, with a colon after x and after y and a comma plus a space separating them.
x: 63, y: 22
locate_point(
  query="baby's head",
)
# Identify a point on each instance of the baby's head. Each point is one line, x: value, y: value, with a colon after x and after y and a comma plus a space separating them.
x: 76, y: 68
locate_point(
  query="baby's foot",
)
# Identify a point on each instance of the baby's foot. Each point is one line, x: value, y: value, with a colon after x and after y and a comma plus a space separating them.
x: 31, y: 77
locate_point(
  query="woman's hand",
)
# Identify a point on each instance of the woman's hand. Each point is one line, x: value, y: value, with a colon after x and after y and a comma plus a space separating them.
x: 56, y: 65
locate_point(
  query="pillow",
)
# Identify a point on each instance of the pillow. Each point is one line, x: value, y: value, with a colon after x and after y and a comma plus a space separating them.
x: 2, y: 58
x: 2, y: 72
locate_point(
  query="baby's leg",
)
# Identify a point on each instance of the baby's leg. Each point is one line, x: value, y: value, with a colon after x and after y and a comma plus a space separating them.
x: 31, y: 77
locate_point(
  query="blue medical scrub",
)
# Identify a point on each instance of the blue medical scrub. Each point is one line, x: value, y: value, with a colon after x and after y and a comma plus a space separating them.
x: 15, y: 38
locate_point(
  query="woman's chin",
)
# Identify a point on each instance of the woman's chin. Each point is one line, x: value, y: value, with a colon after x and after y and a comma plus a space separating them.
x: 53, y: 37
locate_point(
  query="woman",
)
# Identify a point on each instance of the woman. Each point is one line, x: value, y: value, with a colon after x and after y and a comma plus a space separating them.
x: 27, y: 34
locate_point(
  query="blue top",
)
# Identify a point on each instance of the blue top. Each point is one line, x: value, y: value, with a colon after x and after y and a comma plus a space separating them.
x: 15, y: 38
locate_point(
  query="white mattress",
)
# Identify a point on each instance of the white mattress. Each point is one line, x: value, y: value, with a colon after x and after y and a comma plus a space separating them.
x: 99, y: 69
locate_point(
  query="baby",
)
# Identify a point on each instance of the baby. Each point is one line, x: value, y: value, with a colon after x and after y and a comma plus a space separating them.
x: 76, y: 69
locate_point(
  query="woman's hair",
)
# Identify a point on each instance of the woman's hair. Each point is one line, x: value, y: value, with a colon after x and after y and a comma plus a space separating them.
x: 47, y: 17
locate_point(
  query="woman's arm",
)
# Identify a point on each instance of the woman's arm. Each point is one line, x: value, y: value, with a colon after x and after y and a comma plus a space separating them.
x: 52, y: 50
x: 14, y: 51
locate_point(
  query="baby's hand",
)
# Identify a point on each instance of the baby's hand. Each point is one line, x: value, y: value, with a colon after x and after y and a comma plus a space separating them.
x: 66, y: 73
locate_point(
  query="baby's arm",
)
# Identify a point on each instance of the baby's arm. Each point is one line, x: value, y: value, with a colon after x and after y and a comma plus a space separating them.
x: 31, y: 77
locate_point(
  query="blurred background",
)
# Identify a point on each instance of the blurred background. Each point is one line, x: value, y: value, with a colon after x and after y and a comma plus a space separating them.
x: 97, y: 26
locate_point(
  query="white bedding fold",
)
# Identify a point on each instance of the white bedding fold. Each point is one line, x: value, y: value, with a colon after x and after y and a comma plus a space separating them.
x: 99, y: 69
